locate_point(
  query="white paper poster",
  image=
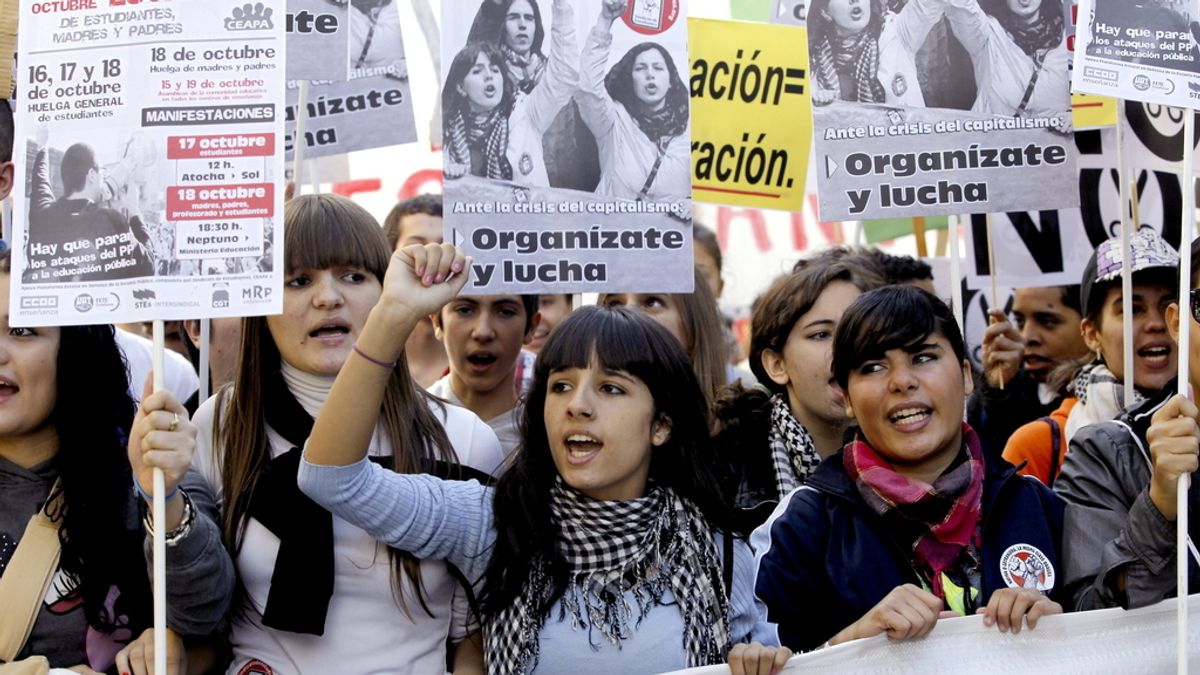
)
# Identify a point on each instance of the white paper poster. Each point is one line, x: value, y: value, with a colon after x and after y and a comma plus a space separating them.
x: 568, y: 144
x: 1142, y: 50
x: 151, y: 152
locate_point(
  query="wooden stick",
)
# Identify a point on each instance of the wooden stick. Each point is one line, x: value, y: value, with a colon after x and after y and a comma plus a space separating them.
x: 919, y: 233
x: 298, y: 142
x: 943, y: 239
x: 992, y: 275
x: 1127, y: 228
x: 1187, y: 233
x: 956, y: 297
x: 158, y: 509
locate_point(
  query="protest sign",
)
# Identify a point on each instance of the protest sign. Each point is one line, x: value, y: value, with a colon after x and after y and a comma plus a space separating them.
x: 1090, y: 112
x: 1143, y: 50
x: 1100, y: 641
x: 751, y: 115
x: 1051, y: 248
x: 149, y: 156
x: 1093, y: 112
x: 905, y: 125
x: 529, y: 225
x: 373, y: 108
x: 790, y: 12
x: 318, y: 33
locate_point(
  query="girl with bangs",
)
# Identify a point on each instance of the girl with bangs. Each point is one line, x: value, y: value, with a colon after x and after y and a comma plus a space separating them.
x: 494, y: 123
x: 601, y: 546
x: 316, y: 593
x: 924, y: 519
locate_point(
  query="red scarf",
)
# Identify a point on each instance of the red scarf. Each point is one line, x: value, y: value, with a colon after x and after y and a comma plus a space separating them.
x: 939, y: 520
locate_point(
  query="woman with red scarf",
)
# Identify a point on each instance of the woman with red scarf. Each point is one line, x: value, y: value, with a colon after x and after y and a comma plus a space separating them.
x: 914, y: 519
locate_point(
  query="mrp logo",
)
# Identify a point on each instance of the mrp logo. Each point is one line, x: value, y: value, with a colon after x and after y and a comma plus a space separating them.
x: 256, y: 293
x: 39, y: 302
x: 250, y: 17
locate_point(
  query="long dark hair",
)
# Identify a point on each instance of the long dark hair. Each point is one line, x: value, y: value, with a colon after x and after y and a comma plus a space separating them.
x: 618, y: 339
x: 1044, y: 34
x: 461, y: 120
x: 92, y: 415
x: 619, y: 83
x: 827, y: 45
x: 320, y: 231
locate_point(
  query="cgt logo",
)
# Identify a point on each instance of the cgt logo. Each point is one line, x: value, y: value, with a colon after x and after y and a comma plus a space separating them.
x: 250, y: 17
x: 39, y: 302
x: 256, y: 293
x: 220, y: 297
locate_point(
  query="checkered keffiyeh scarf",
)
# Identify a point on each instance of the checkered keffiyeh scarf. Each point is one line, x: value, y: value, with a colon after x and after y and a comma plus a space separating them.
x: 645, y: 546
x: 939, y: 519
x: 859, y: 55
x: 793, y: 454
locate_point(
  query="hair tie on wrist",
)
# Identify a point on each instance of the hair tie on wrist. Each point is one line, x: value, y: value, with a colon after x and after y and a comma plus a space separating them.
x: 138, y: 486
x: 381, y: 364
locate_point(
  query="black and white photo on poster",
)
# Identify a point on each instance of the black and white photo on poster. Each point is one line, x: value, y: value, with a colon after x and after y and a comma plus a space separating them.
x: 1051, y: 248
x: 568, y: 122
x: 317, y: 32
x: 1144, y: 50
x: 91, y: 210
x: 935, y: 107
x: 373, y: 108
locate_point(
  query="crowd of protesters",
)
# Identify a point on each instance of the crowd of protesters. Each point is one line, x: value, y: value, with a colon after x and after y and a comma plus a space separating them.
x: 395, y: 477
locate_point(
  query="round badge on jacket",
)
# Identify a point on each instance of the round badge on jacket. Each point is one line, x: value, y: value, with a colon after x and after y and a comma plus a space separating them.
x: 1025, y: 566
x: 899, y: 85
x: 525, y: 164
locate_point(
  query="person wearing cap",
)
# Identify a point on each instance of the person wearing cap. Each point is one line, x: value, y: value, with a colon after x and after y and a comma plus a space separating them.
x: 1099, y: 384
x: 1120, y: 479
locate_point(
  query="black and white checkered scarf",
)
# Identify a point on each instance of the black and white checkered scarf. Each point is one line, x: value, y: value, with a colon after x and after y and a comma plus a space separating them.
x: 645, y: 546
x: 792, y: 451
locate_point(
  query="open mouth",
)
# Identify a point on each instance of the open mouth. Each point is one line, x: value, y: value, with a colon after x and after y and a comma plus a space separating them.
x: 8, y: 387
x: 1158, y: 355
x: 857, y: 13
x: 910, y: 416
x: 480, y: 361
x: 581, y: 447
x: 1036, y: 362
x: 331, y: 330
x: 489, y: 91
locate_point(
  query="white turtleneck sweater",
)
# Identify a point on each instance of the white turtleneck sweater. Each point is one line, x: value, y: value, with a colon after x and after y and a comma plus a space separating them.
x: 365, y: 629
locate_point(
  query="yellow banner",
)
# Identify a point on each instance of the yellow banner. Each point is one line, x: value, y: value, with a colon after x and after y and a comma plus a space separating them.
x: 751, y: 116
x: 1091, y: 111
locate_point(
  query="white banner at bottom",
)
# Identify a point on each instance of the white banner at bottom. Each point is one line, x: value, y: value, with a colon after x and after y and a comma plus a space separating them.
x: 1100, y: 641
